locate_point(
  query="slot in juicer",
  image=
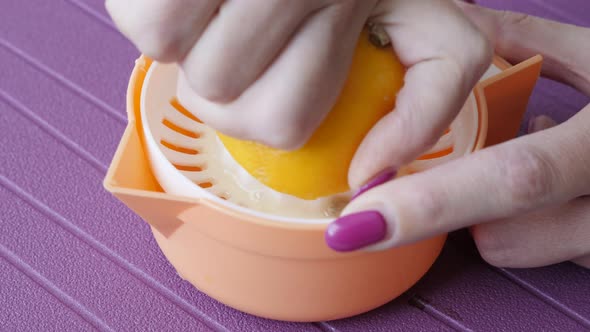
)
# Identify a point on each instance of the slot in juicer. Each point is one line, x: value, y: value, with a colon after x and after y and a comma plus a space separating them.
x: 245, y: 242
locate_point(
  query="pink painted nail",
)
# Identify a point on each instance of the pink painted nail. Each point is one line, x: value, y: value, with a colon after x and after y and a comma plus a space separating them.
x: 379, y: 179
x: 356, y: 231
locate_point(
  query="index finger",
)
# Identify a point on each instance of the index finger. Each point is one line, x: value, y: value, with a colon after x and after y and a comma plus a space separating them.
x: 548, y: 167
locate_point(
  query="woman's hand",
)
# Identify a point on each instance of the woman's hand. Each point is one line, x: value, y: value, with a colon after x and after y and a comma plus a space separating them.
x: 263, y: 70
x: 526, y: 200
x: 270, y: 70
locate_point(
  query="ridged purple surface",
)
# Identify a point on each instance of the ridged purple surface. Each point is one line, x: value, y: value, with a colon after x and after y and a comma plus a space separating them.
x: 73, y: 258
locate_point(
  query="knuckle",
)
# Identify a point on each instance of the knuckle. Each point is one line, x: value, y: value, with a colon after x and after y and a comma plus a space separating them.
x: 467, y: 66
x: 508, y: 18
x: 152, y: 28
x: 214, y: 90
x: 465, y: 70
x: 213, y: 85
x: 529, y: 176
x: 343, y: 10
x: 508, y: 22
x: 482, y: 52
x: 159, y: 45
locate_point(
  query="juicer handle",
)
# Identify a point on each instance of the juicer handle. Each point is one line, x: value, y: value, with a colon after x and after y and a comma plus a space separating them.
x: 506, y: 96
x: 131, y: 180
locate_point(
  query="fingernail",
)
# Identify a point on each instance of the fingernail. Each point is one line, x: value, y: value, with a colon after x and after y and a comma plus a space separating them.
x: 356, y: 231
x: 379, y: 179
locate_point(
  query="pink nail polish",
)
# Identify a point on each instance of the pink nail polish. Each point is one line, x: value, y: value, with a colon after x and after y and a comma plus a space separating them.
x: 380, y: 179
x: 356, y: 231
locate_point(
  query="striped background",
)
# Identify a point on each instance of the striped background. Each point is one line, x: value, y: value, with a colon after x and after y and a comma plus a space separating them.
x: 74, y: 258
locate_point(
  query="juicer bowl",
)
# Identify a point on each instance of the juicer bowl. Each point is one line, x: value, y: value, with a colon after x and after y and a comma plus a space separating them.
x: 275, y: 268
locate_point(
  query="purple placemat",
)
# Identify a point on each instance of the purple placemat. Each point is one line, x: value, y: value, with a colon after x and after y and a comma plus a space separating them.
x: 73, y: 258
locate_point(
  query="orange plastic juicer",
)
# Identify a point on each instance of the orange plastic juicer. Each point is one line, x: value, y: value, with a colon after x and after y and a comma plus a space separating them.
x: 261, y: 251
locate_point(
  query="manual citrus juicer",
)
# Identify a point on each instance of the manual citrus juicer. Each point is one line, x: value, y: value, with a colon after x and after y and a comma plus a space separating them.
x: 262, y: 251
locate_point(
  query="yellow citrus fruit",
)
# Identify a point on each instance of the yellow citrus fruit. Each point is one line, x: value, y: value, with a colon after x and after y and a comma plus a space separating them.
x: 320, y: 167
